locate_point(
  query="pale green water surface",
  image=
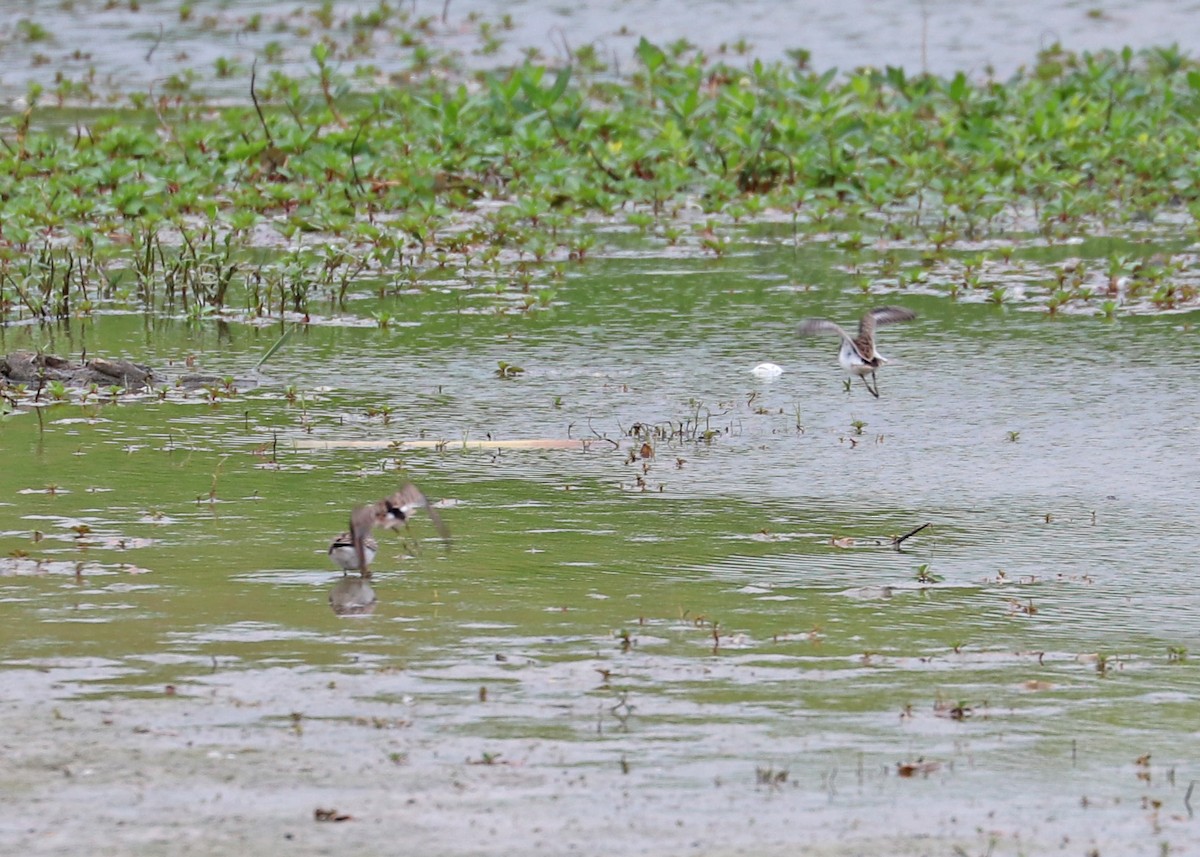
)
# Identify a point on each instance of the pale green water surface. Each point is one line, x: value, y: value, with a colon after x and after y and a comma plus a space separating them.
x: 175, y: 678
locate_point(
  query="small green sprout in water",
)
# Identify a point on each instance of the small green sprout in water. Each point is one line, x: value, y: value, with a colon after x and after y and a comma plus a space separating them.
x: 32, y: 31
x: 852, y: 242
x: 1176, y: 654
x: 1109, y: 309
x: 224, y: 67
x: 1057, y: 301
x: 580, y: 247
x: 626, y: 640
x: 858, y: 426
x: 846, y: 385
x: 507, y: 370
x: 1014, y: 436
x: 998, y: 295
x: 58, y: 391
x: 925, y: 576
x: 1118, y: 268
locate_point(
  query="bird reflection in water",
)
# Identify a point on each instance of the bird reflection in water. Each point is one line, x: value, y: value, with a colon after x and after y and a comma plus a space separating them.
x: 352, y: 596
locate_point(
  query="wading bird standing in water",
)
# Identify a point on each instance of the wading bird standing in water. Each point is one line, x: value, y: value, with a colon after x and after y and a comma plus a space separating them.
x: 344, y: 555
x: 355, y: 549
x: 858, y: 355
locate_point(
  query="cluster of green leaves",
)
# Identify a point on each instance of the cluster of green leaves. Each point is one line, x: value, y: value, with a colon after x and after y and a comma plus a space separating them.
x: 394, y: 180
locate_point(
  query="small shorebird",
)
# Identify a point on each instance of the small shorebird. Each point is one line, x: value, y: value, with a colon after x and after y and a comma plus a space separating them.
x: 858, y: 355
x: 345, y: 557
x: 390, y: 513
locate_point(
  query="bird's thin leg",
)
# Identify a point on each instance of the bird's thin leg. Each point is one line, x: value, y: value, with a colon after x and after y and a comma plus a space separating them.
x: 874, y: 392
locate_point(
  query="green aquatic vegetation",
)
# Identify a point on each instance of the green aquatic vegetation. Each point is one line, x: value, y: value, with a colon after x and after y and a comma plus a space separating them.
x: 1081, y: 140
x: 31, y: 31
x: 1057, y: 300
x: 383, y: 411
x: 924, y: 576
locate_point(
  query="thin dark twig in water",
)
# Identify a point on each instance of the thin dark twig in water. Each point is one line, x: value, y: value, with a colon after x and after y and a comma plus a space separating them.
x: 445, y: 11
x: 1187, y: 798
x: 166, y: 126
x: 924, y: 40
x: 157, y: 42
x: 354, y: 146
x: 602, y: 437
x: 254, y: 97
x: 901, y: 539
x: 563, y: 37
x: 611, y: 173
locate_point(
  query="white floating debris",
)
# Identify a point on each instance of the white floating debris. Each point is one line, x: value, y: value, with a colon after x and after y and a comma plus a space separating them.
x: 767, y: 371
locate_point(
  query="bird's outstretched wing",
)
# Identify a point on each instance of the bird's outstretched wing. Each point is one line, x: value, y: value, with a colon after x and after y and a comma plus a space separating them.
x: 810, y: 326
x: 390, y: 513
x: 878, y: 317
x: 397, y: 509
x: 882, y: 315
x: 362, y: 519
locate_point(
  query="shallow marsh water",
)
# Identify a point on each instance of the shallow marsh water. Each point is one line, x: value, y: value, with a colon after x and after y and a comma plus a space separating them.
x: 597, y: 665
x: 118, y: 48
x: 685, y: 664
